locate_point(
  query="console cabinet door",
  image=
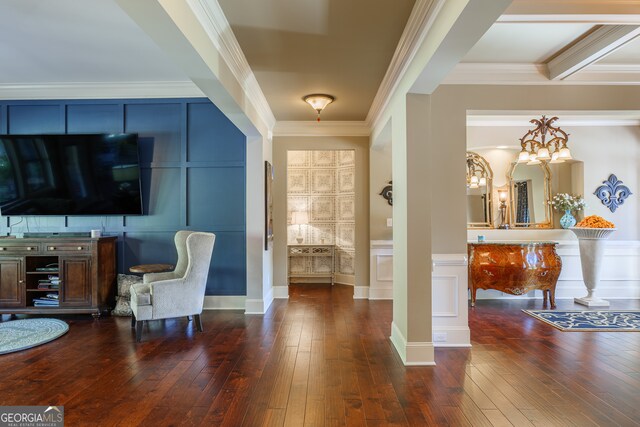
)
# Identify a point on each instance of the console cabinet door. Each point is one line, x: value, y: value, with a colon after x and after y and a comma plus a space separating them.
x: 12, y: 293
x: 75, y: 288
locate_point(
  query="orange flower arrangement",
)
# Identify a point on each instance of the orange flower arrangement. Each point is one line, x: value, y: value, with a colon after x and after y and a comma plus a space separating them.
x: 595, y: 221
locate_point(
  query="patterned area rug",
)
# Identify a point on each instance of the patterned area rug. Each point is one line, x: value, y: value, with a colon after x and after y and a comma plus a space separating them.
x: 22, y: 334
x: 597, y: 320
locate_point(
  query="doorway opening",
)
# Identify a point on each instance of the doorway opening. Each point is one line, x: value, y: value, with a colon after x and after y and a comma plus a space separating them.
x: 321, y: 216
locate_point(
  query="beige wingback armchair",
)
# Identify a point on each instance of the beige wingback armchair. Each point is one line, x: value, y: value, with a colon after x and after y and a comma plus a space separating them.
x: 179, y: 292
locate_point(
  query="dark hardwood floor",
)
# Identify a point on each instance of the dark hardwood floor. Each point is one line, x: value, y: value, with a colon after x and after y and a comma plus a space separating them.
x: 323, y: 359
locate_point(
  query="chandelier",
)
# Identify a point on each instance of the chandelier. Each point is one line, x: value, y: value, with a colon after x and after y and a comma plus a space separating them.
x: 477, y: 171
x: 537, y: 149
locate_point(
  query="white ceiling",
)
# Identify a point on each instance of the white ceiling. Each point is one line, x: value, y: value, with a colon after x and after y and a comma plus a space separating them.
x: 69, y: 41
x: 524, y: 42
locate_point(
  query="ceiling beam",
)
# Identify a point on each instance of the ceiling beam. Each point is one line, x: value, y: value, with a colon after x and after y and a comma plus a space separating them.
x: 197, y: 37
x: 590, y: 49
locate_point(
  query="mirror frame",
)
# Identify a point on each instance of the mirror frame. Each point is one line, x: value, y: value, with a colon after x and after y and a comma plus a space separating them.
x: 548, y: 212
x: 483, y: 163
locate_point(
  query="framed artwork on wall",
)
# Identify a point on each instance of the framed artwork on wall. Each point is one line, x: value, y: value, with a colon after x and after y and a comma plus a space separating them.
x: 268, y: 205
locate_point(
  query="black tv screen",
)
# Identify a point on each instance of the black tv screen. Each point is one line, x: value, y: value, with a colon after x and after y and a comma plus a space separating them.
x: 76, y: 174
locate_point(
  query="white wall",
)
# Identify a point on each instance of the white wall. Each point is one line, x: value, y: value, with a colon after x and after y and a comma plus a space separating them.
x: 602, y: 149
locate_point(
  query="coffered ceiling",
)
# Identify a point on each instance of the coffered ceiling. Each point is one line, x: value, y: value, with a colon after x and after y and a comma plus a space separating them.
x: 300, y: 47
x: 557, y: 42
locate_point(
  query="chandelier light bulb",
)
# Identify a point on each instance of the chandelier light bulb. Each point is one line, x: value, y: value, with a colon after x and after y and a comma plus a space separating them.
x: 523, y: 157
x: 543, y: 154
x: 555, y: 158
x: 565, y: 154
x: 474, y: 180
x: 482, y: 182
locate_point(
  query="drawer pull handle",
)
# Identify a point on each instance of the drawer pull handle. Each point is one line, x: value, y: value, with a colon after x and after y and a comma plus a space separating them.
x: 21, y: 281
x: 52, y: 248
x: 2, y: 249
x: 29, y: 248
x: 79, y: 248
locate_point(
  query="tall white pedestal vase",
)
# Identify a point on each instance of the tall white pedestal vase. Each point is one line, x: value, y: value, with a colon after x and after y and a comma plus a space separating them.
x: 592, y: 244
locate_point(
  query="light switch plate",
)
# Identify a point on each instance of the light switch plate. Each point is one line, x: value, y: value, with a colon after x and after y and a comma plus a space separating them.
x: 389, y: 222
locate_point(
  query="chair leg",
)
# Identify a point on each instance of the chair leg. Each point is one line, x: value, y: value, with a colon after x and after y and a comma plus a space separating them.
x: 133, y: 320
x: 139, y: 324
x: 198, y: 322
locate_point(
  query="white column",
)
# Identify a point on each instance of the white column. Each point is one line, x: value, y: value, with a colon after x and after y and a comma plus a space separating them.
x: 412, y: 323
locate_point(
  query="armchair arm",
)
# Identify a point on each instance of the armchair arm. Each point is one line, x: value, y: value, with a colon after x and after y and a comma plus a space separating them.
x: 171, y: 298
x: 156, y: 277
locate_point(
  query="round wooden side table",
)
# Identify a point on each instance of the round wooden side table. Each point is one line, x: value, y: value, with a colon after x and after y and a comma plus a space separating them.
x: 150, y: 268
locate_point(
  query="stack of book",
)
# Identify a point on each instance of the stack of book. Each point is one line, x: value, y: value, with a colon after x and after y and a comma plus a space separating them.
x: 49, y: 300
x: 52, y: 282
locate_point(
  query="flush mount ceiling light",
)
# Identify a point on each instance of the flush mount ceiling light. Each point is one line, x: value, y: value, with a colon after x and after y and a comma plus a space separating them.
x: 318, y: 101
x: 537, y: 149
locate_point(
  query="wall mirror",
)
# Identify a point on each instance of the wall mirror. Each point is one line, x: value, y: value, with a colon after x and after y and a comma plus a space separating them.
x: 479, y: 192
x: 529, y: 195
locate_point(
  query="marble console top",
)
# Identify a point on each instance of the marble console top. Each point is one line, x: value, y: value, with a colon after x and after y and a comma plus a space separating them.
x: 515, y: 242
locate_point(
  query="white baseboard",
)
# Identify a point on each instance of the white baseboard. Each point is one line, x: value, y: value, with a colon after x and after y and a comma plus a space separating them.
x: 412, y: 353
x: 456, y: 336
x: 259, y: 306
x: 381, y: 293
x: 281, y: 292
x: 224, y: 302
x: 360, y: 292
x: 268, y: 299
x: 345, y: 279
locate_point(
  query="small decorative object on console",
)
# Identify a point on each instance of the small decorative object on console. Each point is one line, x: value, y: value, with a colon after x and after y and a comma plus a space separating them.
x: 612, y: 193
x: 567, y: 203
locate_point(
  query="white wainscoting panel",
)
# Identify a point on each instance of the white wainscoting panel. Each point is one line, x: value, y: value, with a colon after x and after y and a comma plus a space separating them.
x: 381, y: 269
x: 449, y: 292
x: 445, y: 295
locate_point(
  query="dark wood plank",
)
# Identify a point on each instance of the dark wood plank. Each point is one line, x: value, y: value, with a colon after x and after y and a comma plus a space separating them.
x: 323, y: 359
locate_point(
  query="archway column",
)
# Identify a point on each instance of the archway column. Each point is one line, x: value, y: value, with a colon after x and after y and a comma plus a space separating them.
x: 411, y: 329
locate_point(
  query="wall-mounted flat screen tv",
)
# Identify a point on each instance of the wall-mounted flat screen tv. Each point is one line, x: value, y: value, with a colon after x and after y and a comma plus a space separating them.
x: 75, y: 174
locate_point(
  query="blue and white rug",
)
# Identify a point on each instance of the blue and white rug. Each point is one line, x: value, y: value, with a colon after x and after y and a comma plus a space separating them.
x: 22, y: 334
x: 596, y: 320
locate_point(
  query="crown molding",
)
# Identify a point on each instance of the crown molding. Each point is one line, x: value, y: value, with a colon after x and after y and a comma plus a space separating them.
x: 326, y: 128
x: 420, y: 21
x: 536, y: 74
x: 569, y: 119
x: 100, y: 90
x: 595, y: 19
x: 215, y: 24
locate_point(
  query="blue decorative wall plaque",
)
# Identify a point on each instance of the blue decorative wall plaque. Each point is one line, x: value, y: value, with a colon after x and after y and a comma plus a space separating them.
x: 612, y: 193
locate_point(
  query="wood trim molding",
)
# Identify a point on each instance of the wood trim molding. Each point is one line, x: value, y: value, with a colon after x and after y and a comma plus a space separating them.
x: 100, y: 90
x: 215, y: 24
x: 420, y: 21
x: 590, y: 49
x: 326, y: 128
x: 595, y: 19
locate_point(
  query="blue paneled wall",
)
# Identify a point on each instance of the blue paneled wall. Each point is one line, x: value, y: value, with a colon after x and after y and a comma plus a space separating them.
x: 193, y: 177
